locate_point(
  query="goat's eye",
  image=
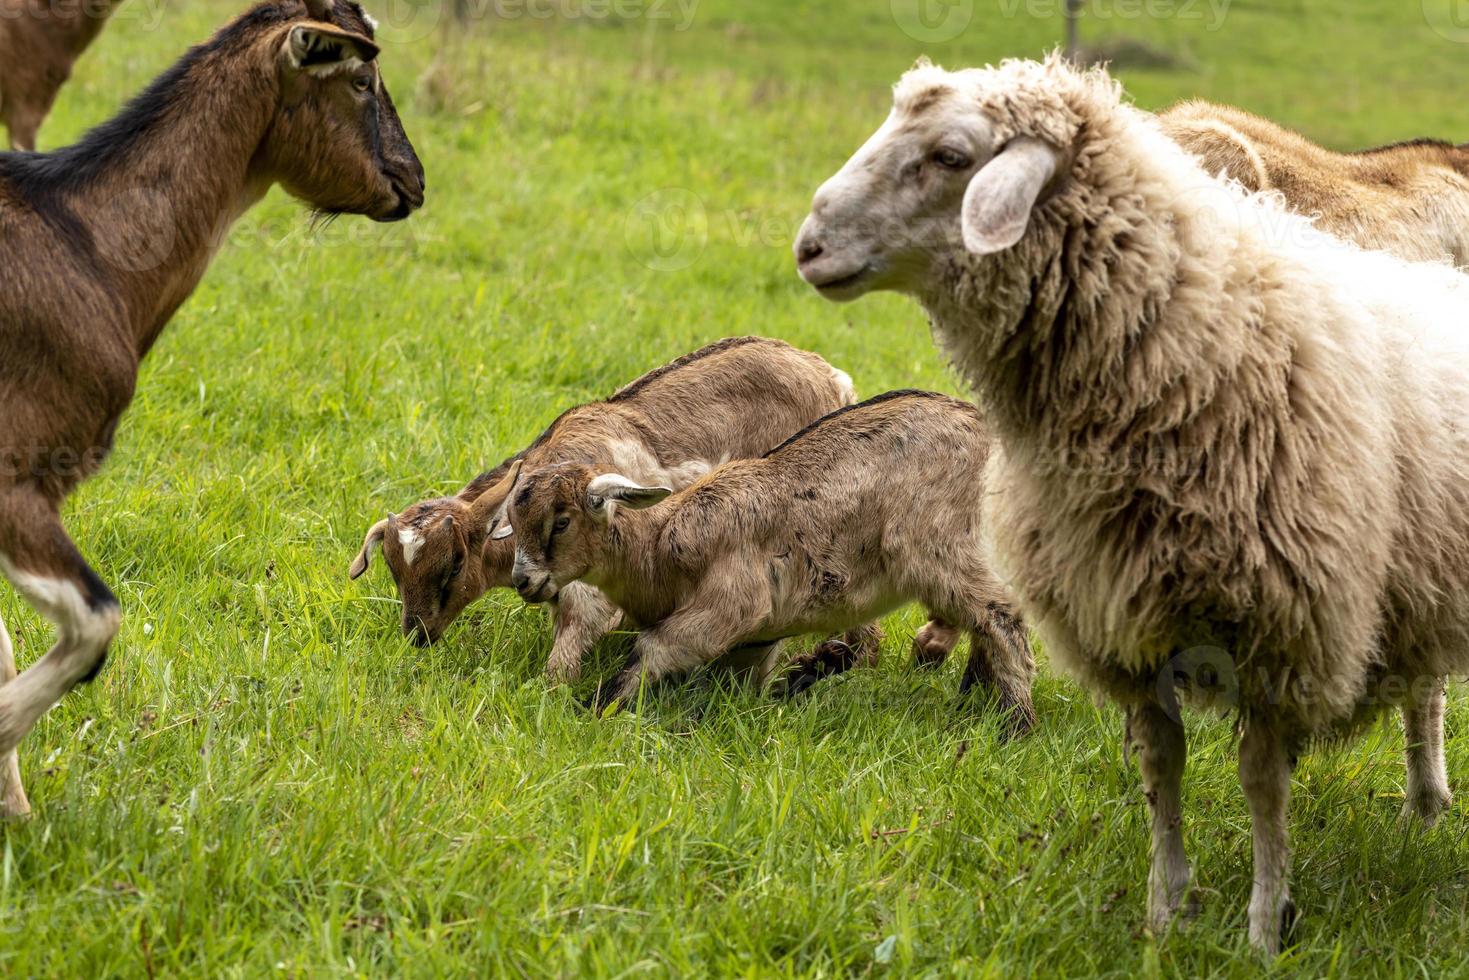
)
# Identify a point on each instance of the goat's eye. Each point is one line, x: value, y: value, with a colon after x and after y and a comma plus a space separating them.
x: 562, y: 523
x: 951, y: 159
x: 362, y: 83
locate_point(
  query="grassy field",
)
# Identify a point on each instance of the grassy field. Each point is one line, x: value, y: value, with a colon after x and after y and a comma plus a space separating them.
x: 267, y: 779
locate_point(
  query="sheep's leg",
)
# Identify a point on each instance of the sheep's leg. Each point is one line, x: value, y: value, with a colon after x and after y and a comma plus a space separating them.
x: 1264, y: 772
x: 934, y: 642
x: 14, y: 802
x: 39, y: 559
x: 1427, y: 794
x: 1162, y: 752
x: 1000, y: 660
x: 855, y: 648
x: 582, y: 617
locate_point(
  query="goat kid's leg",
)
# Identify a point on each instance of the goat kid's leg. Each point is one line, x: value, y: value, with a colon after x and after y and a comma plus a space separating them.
x: 934, y: 642
x: 39, y: 559
x: 1427, y: 792
x: 582, y: 617
x: 1000, y: 660
x: 13, y: 803
x: 1162, y: 752
x: 855, y: 648
x: 1264, y: 771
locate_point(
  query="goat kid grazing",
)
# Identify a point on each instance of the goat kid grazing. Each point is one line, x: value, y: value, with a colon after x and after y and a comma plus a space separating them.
x: 92, y: 266
x: 40, y: 41
x: 870, y: 508
x: 1411, y: 199
x: 1217, y: 427
x: 732, y: 399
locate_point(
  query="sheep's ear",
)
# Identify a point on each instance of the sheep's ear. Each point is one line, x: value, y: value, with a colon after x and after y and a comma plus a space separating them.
x: 488, y: 512
x: 1000, y: 197
x: 371, y: 543
x: 612, y: 488
x: 322, y: 49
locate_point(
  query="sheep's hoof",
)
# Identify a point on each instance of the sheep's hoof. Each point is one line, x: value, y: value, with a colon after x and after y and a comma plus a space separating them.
x: 929, y: 652
x: 825, y: 660
x: 15, y: 807
x: 1425, y: 808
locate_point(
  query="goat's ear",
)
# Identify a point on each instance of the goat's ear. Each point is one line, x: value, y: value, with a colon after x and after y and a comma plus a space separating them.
x: 322, y: 49
x: 1001, y: 195
x: 371, y: 543
x: 614, y: 488
x: 488, y: 513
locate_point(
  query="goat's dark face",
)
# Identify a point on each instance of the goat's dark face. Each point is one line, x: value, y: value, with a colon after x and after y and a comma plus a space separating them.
x: 337, y: 142
x: 560, y: 517
x: 437, y: 553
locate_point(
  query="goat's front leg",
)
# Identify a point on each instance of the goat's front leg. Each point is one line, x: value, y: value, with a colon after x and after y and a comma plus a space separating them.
x: 13, y: 803
x: 1427, y: 792
x: 723, y: 611
x: 39, y: 559
x: 582, y: 617
x: 857, y: 647
x: 1264, y: 772
x: 1162, y: 752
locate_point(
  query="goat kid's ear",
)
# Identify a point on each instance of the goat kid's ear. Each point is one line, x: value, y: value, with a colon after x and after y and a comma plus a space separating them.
x: 614, y: 488
x: 371, y: 543
x: 321, y: 49
x: 1000, y: 197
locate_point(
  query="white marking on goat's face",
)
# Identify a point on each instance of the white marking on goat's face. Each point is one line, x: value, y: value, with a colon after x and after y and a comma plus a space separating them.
x: 410, y: 540
x: 371, y: 21
x: 879, y: 222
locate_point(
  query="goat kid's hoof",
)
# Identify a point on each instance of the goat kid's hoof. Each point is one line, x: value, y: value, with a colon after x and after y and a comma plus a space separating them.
x: 15, y: 808
x: 1271, y: 943
x: 1424, y: 809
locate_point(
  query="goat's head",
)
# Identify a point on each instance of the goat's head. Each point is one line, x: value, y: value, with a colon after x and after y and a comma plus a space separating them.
x: 336, y: 141
x: 436, y: 553
x: 560, y: 517
x: 960, y: 163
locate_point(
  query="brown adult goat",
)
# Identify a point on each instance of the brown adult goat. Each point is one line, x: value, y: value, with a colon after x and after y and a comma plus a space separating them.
x: 39, y: 44
x: 100, y: 244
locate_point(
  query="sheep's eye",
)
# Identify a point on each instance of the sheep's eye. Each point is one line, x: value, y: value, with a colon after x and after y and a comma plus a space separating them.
x: 362, y: 83
x: 562, y: 523
x: 951, y: 158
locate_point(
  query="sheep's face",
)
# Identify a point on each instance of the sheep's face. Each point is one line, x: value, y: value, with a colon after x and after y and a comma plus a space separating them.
x: 949, y: 169
x: 560, y: 517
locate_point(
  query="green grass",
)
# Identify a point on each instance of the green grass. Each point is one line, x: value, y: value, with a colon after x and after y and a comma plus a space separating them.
x: 266, y: 778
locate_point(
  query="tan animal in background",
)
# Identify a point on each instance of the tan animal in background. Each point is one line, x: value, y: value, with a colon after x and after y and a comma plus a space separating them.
x: 730, y: 400
x: 101, y: 242
x: 40, y: 41
x: 1411, y: 199
x: 872, y: 507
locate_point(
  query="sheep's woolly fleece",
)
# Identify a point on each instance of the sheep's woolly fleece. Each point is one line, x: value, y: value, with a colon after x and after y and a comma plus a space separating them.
x: 1220, y: 427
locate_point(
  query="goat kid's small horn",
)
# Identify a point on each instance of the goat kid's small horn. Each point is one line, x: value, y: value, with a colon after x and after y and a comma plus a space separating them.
x: 371, y: 543
x: 320, y: 9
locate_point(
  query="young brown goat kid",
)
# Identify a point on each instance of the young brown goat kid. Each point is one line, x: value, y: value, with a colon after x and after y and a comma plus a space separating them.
x: 39, y: 43
x: 730, y: 400
x: 1411, y: 199
x: 100, y: 243
x: 872, y: 507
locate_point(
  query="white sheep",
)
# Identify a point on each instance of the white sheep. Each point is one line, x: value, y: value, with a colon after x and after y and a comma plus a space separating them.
x: 1218, y: 426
